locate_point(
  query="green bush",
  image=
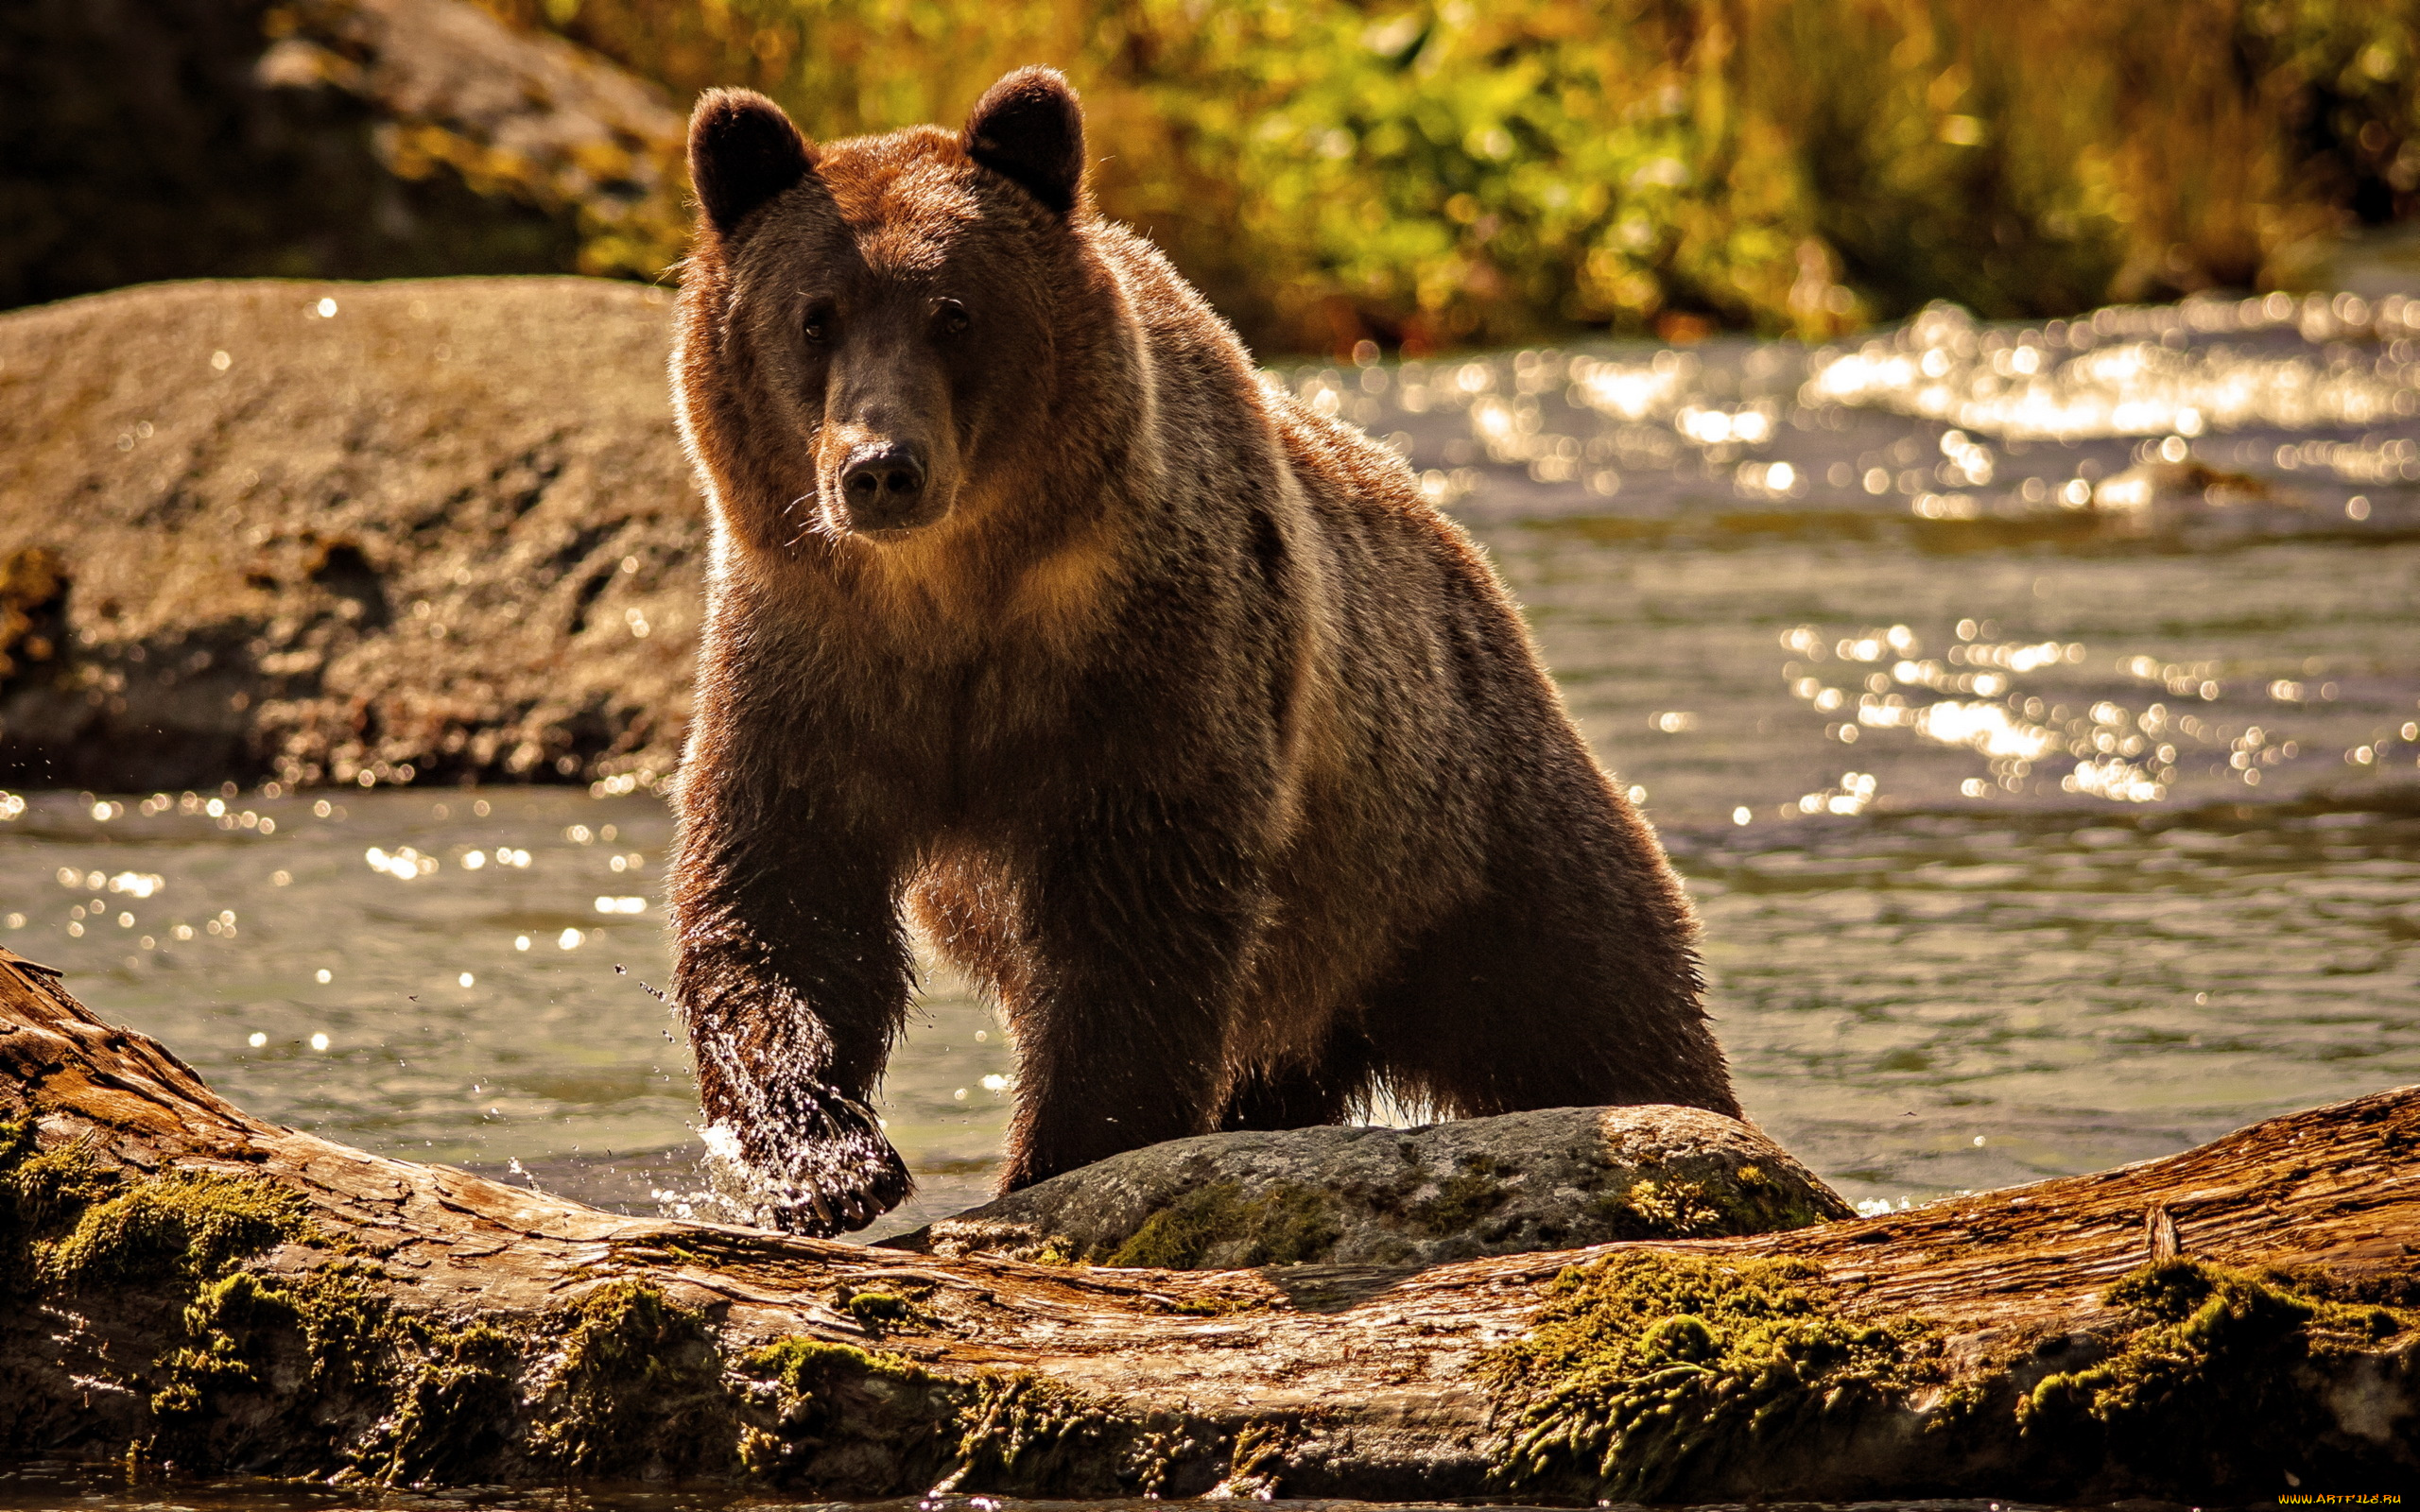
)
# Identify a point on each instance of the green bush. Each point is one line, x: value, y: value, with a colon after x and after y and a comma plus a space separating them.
x: 1433, y: 175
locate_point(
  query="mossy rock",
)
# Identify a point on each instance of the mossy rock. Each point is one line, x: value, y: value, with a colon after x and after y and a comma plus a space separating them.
x: 1553, y: 1179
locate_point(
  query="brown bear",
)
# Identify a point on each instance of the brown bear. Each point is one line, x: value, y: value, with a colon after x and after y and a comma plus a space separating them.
x: 1168, y: 707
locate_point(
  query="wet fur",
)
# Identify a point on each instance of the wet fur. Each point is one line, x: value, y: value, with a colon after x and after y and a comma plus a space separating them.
x: 1217, y: 756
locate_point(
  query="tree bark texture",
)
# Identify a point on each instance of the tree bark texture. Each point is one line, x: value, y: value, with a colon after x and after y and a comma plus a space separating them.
x: 188, y: 1285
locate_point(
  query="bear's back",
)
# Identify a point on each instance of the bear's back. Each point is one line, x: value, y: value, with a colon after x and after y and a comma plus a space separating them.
x: 1221, y: 420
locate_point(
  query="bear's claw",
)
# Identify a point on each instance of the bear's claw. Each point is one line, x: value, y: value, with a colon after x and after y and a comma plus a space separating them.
x: 826, y: 1169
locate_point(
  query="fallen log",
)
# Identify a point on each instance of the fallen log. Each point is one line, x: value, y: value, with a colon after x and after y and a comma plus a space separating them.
x: 185, y: 1285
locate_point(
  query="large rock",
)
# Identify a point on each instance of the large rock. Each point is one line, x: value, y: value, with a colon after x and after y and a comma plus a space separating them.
x: 528, y: 119
x: 1554, y: 1179
x: 442, y: 530
x: 156, y: 139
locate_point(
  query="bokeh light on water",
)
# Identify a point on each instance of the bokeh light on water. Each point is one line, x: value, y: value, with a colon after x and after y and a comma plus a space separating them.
x: 2035, y: 713
x: 459, y: 976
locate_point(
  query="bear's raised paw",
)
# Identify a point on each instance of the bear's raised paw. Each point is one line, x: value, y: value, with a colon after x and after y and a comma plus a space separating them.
x: 829, y: 1173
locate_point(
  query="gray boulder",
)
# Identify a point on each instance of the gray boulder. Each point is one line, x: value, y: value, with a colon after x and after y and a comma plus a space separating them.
x: 1557, y: 1179
x: 440, y: 532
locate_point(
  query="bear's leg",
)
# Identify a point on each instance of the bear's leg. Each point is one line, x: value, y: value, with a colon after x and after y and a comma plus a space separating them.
x: 792, y: 972
x: 1303, y: 1095
x: 1137, y: 924
x: 1569, y: 982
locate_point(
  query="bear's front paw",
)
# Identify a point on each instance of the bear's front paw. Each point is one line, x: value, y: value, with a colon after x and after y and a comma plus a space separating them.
x: 821, y: 1167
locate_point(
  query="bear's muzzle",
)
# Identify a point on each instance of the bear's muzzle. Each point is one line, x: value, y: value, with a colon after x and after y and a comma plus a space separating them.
x: 882, y: 486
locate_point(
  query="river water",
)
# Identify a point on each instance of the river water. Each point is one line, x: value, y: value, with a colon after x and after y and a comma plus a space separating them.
x: 2034, y: 711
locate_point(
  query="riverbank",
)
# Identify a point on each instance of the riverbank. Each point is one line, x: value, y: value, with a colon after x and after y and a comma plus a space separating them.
x: 425, y: 530
x: 441, y: 531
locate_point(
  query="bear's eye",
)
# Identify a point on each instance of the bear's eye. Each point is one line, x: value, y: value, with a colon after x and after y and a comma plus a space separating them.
x: 950, y: 318
x: 817, y: 326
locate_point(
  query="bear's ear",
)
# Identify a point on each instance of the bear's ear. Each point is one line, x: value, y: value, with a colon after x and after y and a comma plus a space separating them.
x: 742, y: 152
x: 1029, y: 127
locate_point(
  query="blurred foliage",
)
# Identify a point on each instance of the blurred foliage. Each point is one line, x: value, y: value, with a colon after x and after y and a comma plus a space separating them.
x: 458, y: 97
x: 1423, y: 175
x: 137, y: 141
x: 1438, y: 174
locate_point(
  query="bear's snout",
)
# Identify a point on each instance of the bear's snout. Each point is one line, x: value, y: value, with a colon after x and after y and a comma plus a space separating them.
x: 882, y: 486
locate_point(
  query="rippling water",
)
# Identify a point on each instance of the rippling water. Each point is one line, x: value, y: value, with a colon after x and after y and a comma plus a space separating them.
x: 2035, y: 713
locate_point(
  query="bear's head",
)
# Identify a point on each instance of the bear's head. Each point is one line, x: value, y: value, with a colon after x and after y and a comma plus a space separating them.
x: 874, y: 330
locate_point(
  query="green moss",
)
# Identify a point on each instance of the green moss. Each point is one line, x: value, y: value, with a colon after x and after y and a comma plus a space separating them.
x: 40, y: 1192
x: 1287, y: 1225
x: 1256, y: 1465
x: 706, y: 1251
x: 346, y: 1331
x: 877, y: 1310
x: 797, y: 1362
x: 861, y: 1423
x: 453, y: 1405
x: 1747, y: 1201
x: 1462, y: 1200
x: 637, y: 1383
x: 1177, y: 1235
x: 57, y: 1184
x: 1641, y: 1366
x: 2209, y: 1392
x: 830, y: 1413
x: 1026, y: 1435
x: 223, y: 1321
x: 66, y: 1219
x: 183, y: 1225
x: 306, y: 1350
x: 1675, y: 1210
x: 45, y: 1184
x: 1215, y: 1306
x: 1291, y: 1225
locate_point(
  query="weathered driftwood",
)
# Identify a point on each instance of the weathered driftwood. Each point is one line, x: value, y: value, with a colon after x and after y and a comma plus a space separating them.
x: 184, y: 1283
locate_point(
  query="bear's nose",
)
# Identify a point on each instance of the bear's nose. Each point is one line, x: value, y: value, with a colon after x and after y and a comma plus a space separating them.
x: 883, y: 482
